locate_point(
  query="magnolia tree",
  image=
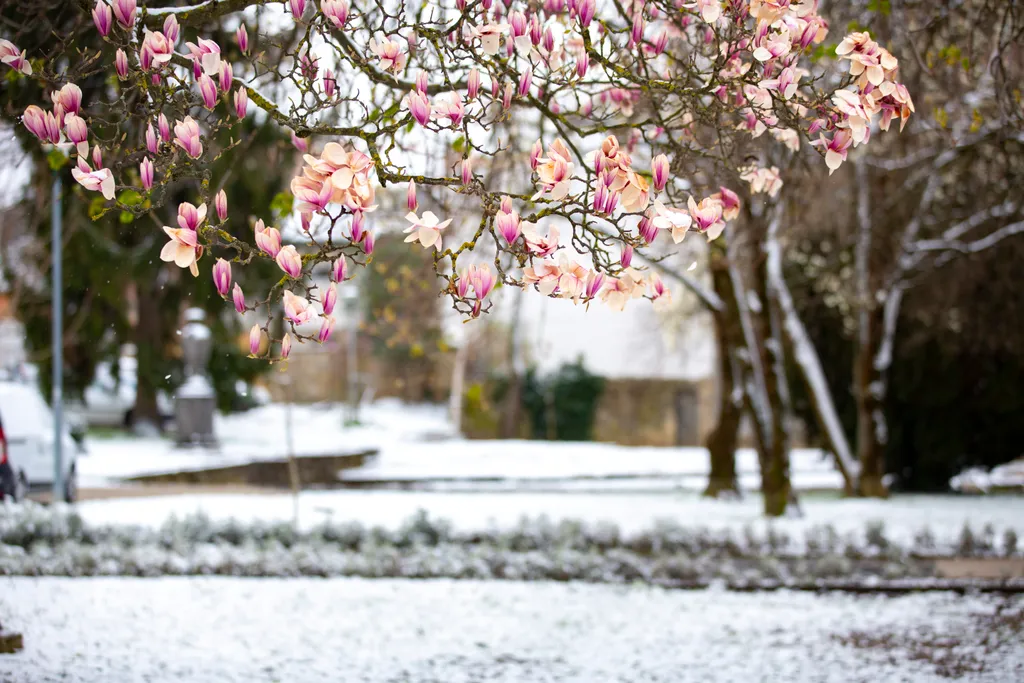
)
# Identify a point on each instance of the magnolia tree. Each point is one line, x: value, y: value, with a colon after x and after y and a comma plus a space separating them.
x: 651, y: 120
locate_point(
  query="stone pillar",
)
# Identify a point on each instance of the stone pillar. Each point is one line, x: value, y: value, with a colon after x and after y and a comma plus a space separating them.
x: 195, y: 401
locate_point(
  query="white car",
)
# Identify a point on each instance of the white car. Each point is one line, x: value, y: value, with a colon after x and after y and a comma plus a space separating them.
x: 28, y: 429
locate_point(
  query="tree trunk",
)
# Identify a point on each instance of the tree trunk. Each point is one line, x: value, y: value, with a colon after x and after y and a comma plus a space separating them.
x: 869, y: 385
x: 149, y: 345
x: 869, y: 390
x: 775, y: 480
x: 721, y: 441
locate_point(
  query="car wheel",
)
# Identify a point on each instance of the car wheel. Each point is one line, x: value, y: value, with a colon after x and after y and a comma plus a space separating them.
x: 71, y: 486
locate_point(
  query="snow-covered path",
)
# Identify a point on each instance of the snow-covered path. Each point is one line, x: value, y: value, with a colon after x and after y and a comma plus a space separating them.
x: 206, y: 630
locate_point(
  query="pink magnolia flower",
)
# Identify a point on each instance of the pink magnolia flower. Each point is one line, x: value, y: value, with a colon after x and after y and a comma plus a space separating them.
x: 242, y: 38
x: 10, y: 56
x: 146, y: 174
x: 241, y: 101
x: 368, y: 243
x: 301, y: 144
x: 164, y: 128
x: 618, y: 291
x: 226, y: 77
x: 182, y: 249
x: 473, y: 84
x: 646, y: 228
x: 78, y: 132
x: 326, y: 327
x: 286, y: 347
x: 677, y: 221
x: 635, y: 193
x: 426, y: 229
x: 535, y: 153
x: 158, y: 48
x: 238, y: 298
x: 709, y: 10
x: 411, y: 202
x: 482, y: 278
x: 585, y: 11
x: 506, y: 96
x: 41, y: 124
x: 342, y: 176
x: 124, y: 12
x: 255, y: 340
x: 626, y: 257
x: 595, y: 281
x: 555, y: 171
x: 190, y: 217
x: 103, y: 17
x: 773, y: 46
x: 836, y: 149
x: 765, y: 180
x: 660, y: 295
x: 537, y: 245
x: 289, y: 261
x: 329, y: 298
x: 222, y: 277
x: 422, y: 81
x: 121, y: 64
x: 452, y: 109
x: 390, y: 54
x: 855, y: 116
x: 544, y: 275
x: 97, y: 156
x: 336, y: 11
x: 100, y: 180
x: 297, y: 310
x: 267, y: 239
x: 730, y: 202
x: 525, y: 81
x: 205, y: 57
x: 208, y: 90
x: 298, y: 8
x: 419, y: 106
x: 338, y: 270
x: 69, y: 97
x: 786, y: 84
x: 659, y: 171
x: 313, y: 196
x: 707, y: 216
x: 220, y: 203
x: 152, y: 144
x: 508, y: 224
x: 330, y: 83
x: 171, y: 28
x: 490, y: 37
x: 186, y: 136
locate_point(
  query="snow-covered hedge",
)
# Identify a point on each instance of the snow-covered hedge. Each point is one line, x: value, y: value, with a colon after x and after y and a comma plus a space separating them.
x: 41, y: 541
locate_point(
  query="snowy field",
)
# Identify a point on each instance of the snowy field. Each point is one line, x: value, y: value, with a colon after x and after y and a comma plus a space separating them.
x: 416, y: 443
x: 207, y: 630
x: 259, y: 434
x: 903, y: 516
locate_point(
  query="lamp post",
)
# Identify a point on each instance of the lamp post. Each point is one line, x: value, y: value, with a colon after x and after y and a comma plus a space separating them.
x: 57, y: 339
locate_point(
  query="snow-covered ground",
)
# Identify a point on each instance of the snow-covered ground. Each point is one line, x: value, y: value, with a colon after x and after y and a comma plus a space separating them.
x: 418, y: 444
x: 259, y: 434
x: 206, y: 630
x: 903, y: 516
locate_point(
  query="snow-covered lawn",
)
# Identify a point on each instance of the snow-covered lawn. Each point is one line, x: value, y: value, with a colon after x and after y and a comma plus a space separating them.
x: 416, y: 443
x: 259, y: 434
x: 903, y: 516
x: 206, y: 630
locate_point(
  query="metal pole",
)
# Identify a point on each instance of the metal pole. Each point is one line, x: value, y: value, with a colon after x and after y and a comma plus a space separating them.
x: 57, y: 341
